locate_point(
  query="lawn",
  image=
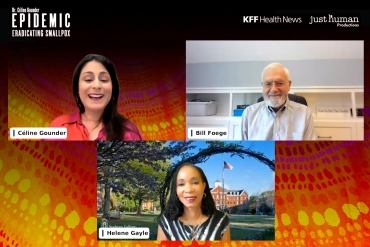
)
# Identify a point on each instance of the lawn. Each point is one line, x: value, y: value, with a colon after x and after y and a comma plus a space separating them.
x: 239, y: 234
x: 253, y: 221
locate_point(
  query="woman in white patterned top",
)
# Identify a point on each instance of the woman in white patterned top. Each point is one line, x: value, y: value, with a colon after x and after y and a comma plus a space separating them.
x: 190, y: 212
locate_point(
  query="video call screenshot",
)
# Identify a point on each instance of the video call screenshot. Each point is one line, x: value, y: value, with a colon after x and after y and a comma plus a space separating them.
x: 120, y: 131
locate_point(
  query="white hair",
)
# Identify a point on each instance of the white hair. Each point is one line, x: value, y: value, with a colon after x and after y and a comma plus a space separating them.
x: 276, y: 65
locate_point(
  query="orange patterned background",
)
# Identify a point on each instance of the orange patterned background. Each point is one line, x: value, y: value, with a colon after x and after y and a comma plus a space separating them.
x: 151, y: 76
x: 48, y: 192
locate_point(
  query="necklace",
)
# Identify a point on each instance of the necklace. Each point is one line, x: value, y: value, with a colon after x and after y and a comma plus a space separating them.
x: 194, y: 229
x: 93, y: 128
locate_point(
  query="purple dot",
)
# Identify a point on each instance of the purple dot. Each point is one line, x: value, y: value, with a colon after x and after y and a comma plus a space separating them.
x: 295, y: 166
x: 305, y: 167
x: 288, y: 166
x: 300, y: 167
x: 278, y: 166
x: 311, y: 166
x: 283, y: 166
x: 367, y: 110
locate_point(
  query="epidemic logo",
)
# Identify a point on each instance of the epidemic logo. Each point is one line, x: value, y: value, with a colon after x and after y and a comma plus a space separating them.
x: 339, y: 20
x: 31, y: 22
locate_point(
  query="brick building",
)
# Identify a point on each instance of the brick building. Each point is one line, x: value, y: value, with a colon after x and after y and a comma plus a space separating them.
x: 148, y: 205
x: 232, y: 201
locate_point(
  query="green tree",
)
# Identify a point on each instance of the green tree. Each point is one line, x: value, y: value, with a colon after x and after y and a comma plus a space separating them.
x: 138, y: 191
x: 252, y: 204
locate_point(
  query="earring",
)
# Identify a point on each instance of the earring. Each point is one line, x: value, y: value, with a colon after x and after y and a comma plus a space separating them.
x: 78, y: 102
x: 204, y: 195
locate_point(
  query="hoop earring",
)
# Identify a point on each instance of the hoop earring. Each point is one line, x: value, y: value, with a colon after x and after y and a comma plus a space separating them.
x: 204, y: 195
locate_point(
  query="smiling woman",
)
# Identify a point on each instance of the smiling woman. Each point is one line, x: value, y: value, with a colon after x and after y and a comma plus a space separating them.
x: 96, y: 91
x: 190, y: 212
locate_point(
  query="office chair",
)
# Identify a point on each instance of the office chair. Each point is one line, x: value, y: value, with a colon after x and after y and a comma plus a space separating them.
x: 292, y: 97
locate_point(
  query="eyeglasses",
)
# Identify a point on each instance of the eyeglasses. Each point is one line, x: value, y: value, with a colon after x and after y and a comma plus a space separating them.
x: 268, y: 84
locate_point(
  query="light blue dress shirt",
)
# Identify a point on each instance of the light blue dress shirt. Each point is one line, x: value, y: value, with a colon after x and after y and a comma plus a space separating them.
x: 293, y: 121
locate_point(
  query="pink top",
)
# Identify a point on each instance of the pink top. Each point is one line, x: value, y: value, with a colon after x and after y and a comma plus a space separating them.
x: 77, y: 131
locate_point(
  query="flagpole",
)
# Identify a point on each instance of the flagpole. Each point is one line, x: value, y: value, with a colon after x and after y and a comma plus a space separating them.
x: 223, y: 183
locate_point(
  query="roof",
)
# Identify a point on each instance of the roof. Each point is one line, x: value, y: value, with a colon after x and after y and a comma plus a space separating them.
x: 239, y: 191
x: 217, y: 180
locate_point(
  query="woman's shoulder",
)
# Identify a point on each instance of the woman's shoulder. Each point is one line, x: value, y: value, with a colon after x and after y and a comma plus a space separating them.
x: 134, y: 133
x: 164, y: 221
x: 220, y: 215
x: 68, y: 118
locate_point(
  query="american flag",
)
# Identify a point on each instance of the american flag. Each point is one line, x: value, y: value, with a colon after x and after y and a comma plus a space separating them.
x: 227, y: 165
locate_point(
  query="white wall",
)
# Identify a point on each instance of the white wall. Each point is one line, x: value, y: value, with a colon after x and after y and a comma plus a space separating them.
x: 302, y: 73
x: 240, y: 63
x: 236, y: 51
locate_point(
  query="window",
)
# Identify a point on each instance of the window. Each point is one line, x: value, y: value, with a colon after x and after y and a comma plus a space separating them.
x: 217, y: 202
x: 213, y: 196
x: 217, y: 196
x: 144, y: 204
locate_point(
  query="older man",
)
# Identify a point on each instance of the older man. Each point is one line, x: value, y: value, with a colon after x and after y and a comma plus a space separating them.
x: 277, y: 118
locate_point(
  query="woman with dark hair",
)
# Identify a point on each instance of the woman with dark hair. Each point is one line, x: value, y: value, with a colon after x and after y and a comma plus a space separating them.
x: 96, y: 91
x: 190, y: 212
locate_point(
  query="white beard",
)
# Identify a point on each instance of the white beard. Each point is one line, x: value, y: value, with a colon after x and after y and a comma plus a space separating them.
x: 275, y: 102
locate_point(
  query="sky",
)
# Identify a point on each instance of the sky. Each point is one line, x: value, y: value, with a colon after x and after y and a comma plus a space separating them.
x: 248, y: 173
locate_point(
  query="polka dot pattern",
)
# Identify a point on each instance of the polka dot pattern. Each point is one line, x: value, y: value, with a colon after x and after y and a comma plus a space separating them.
x: 322, y: 187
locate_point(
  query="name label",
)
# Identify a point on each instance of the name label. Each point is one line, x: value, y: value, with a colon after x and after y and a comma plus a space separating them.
x: 38, y: 133
x: 198, y: 133
x: 124, y: 233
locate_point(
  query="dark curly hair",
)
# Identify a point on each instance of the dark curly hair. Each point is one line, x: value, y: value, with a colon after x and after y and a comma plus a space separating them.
x: 175, y: 208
